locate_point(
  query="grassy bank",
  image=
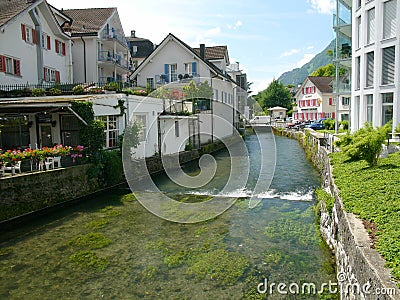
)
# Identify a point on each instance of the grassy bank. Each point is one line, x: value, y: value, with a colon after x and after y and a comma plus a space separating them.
x: 372, y: 193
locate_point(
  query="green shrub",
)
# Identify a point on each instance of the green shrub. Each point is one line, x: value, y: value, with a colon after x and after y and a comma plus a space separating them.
x: 329, y: 124
x: 112, y: 86
x: 38, y: 92
x: 78, y: 90
x: 345, y: 124
x: 55, y: 92
x: 366, y: 143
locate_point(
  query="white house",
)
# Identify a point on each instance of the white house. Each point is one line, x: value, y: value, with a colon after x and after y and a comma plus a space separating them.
x: 100, y: 51
x: 173, y: 64
x: 314, y: 99
x: 34, y: 48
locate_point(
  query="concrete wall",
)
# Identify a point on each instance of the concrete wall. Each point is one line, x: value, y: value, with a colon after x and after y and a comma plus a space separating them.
x: 358, y: 265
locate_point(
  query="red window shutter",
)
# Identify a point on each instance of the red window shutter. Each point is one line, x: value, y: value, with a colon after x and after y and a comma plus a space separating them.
x: 57, y: 76
x: 17, y: 67
x: 48, y: 43
x: 2, y: 63
x: 330, y: 101
x: 23, y: 32
x: 57, y: 47
x: 63, y: 49
x: 302, y: 90
x: 44, y: 74
x: 333, y: 115
x: 34, y: 36
x: 315, y: 89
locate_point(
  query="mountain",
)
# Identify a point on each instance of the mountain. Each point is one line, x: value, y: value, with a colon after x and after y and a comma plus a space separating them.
x: 297, y: 76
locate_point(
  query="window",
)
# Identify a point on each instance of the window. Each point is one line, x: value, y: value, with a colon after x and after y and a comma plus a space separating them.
x: 216, y: 94
x: 345, y: 101
x: 191, y: 68
x: 69, y: 130
x: 111, y: 124
x: 60, y: 47
x: 370, y: 108
x: 150, y: 82
x: 14, y: 132
x: 46, y: 44
x: 358, y: 4
x: 388, y: 64
x: 10, y: 65
x: 371, y: 26
x: 177, y: 128
x: 357, y: 87
x: 51, y: 75
x: 134, y: 50
x: 141, y: 121
x: 28, y: 34
x: 387, y: 107
x: 173, y: 76
x: 370, y: 70
x: 389, y: 19
x: 358, y: 33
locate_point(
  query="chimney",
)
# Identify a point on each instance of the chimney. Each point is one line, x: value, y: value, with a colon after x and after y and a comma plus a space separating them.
x: 203, y: 51
x: 133, y: 33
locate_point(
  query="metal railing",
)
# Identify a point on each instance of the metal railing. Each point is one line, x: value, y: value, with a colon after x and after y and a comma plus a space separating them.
x: 107, y: 56
x: 52, y: 88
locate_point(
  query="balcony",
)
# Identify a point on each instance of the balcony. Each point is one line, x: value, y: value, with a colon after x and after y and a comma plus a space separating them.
x: 114, y: 59
x: 114, y: 36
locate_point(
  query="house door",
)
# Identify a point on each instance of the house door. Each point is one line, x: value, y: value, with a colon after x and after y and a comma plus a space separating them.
x: 46, y: 139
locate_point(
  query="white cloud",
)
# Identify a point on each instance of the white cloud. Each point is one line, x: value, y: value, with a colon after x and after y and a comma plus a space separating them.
x: 310, y: 47
x: 206, y: 37
x: 304, y: 60
x: 290, y: 53
x: 260, y: 84
x: 322, y: 6
x: 236, y: 26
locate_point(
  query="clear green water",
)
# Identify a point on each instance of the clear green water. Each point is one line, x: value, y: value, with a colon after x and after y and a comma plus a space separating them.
x: 110, y: 247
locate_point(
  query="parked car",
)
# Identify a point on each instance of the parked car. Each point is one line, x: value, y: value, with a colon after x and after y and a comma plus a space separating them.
x: 293, y: 125
x: 316, y: 126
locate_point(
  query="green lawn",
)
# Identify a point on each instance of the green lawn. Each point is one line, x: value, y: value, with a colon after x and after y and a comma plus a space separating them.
x: 373, y: 193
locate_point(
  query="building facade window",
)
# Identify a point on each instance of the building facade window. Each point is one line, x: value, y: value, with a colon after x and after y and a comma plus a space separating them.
x: 357, y: 73
x: 111, y: 130
x: 370, y: 108
x: 371, y: 26
x: 358, y: 33
x: 69, y: 130
x: 388, y: 65
x: 387, y: 107
x: 51, y: 75
x: 369, y: 82
x: 28, y: 34
x: 389, y: 19
x: 150, y: 82
x: 346, y: 101
x: 46, y: 41
x: 60, y: 47
x: 10, y: 65
x: 173, y: 74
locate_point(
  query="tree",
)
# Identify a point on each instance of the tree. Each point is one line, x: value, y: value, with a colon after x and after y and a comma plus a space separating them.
x: 328, y: 71
x: 277, y: 94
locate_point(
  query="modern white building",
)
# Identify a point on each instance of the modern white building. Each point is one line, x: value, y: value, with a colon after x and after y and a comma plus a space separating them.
x: 100, y: 51
x: 34, y: 47
x: 375, y: 63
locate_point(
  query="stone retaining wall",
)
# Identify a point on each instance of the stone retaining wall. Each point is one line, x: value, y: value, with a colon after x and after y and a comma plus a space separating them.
x: 361, y: 270
x: 28, y: 192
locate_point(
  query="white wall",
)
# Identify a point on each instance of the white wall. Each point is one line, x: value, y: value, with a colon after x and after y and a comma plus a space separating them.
x: 17, y: 48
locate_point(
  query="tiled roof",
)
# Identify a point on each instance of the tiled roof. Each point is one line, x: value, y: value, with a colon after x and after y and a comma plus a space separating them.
x: 88, y: 20
x: 11, y: 8
x: 322, y: 83
x: 216, y: 52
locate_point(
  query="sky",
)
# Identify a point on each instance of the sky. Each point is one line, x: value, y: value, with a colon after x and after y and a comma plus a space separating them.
x: 266, y: 37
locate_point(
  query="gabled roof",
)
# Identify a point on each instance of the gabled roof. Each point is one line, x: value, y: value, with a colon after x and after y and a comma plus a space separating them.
x: 215, y: 69
x: 322, y: 83
x: 213, y: 53
x: 12, y: 8
x: 88, y: 20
